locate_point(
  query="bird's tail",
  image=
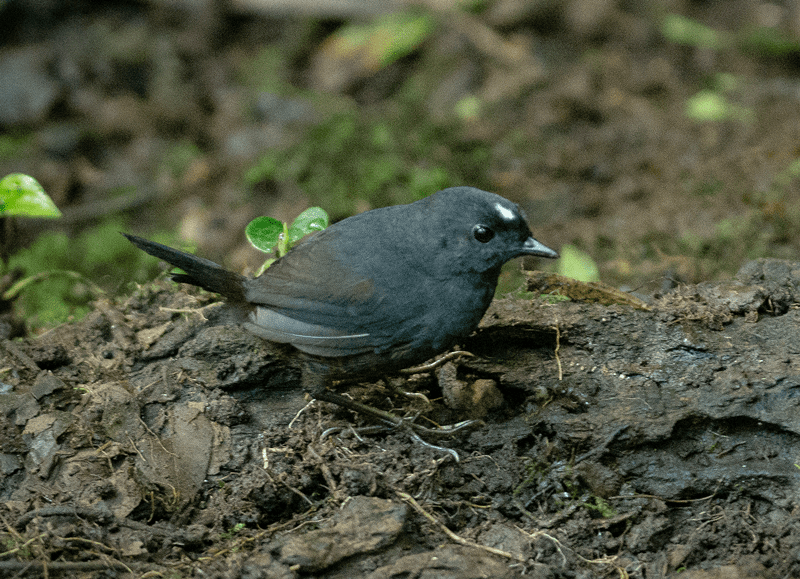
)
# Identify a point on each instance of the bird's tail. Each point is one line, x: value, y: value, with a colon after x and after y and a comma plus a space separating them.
x: 200, y: 272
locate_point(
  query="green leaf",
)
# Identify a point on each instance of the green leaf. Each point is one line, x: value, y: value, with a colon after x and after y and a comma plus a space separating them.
x: 683, y: 30
x: 264, y: 233
x: 708, y: 105
x: 384, y: 40
x: 311, y: 220
x: 468, y: 108
x: 22, y: 195
x: 577, y: 264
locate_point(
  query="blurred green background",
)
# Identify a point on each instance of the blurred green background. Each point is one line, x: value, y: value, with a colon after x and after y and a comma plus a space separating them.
x: 661, y: 140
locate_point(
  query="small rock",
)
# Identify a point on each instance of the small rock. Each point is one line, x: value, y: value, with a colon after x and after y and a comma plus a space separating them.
x: 452, y: 562
x: 507, y: 538
x: 365, y: 525
x: 46, y: 384
x: 601, y: 480
x: 476, y: 398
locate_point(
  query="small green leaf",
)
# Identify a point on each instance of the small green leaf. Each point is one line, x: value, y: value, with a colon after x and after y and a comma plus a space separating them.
x: 384, y: 40
x: 264, y: 233
x: 268, y: 234
x: 683, y: 30
x: 311, y: 220
x: 22, y: 195
x: 577, y: 264
x: 468, y: 108
x: 708, y: 105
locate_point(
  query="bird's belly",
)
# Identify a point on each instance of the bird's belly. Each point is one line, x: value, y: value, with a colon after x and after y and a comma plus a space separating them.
x: 455, y: 316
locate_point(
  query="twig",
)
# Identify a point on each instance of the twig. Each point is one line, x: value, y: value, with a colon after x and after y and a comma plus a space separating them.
x: 42, y: 566
x: 424, y: 368
x: 558, y: 347
x: 98, y: 514
x: 25, y: 544
x: 299, y: 412
x: 460, y: 540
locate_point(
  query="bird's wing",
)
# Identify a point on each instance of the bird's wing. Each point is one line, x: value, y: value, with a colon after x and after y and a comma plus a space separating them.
x: 311, y: 338
x: 317, y: 299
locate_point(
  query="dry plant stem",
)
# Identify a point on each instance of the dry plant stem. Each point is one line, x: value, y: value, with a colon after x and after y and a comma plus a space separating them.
x: 400, y: 392
x: 388, y: 418
x: 21, y: 547
x: 558, y: 347
x: 461, y: 541
x: 436, y: 363
x: 600, y: 561
x: 64, y: 566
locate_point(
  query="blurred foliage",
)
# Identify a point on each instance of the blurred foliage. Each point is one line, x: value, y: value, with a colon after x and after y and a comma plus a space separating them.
x: 714, y: 104
x: 710, y: 105
x: 771, y: 42
x: 356, y: 158
x: 179, y: 157
x: 348, y: 160
x: 264, y: 71
x: 14, y: 145
x: 474, y: 6
x: 577, y: 264
x: 762, y: 41
x: 384, y: 40
x: 468, y: 108
x: 65, y: 271
x: 684, y: 30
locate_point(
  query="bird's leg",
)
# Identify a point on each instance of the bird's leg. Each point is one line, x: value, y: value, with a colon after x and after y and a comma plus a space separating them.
x: 315, y: 382
x: 387, y: 418
x: 423, y: 369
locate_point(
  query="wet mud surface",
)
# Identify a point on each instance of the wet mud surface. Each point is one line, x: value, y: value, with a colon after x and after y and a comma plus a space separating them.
x: 153, y: 439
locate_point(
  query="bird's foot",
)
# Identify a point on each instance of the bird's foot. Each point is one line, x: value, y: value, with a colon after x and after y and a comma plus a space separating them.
x: 390, y: 420
x: 423, y: 369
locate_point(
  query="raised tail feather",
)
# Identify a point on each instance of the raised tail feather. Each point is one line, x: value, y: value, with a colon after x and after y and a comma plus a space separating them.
x: 200, y: 272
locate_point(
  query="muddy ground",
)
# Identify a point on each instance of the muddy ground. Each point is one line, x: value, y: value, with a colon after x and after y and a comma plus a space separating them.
x: 618, y: 439
x: 615, y: 441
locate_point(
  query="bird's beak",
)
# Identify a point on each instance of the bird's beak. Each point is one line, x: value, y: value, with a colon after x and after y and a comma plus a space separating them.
x: 533, y: 247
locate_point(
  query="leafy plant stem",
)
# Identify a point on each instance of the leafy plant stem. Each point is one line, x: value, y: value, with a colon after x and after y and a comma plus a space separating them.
x: 15, y: 289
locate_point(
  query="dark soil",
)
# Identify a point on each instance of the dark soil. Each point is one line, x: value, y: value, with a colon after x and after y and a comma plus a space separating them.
x: 620, y: 436
x: 615, y: 441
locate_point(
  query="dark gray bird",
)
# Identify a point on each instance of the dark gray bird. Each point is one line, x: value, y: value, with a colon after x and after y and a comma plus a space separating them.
x: 379, y: 291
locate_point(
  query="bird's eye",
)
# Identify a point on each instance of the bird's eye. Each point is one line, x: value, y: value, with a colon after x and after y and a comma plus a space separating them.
x: 482, y: 233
